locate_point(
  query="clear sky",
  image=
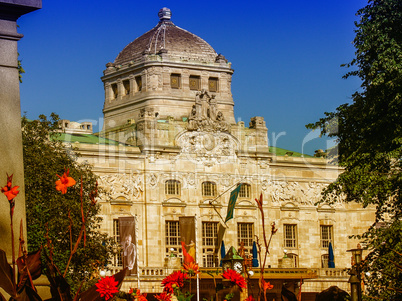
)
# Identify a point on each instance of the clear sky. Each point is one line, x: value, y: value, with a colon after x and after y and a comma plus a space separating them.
x: 286, y: 56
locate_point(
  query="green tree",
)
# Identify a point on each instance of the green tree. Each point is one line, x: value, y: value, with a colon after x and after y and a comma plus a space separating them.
x: 369, y: 135
x: 48, y: 210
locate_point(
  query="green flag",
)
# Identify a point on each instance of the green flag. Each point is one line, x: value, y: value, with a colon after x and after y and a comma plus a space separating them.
x: 232, y: 202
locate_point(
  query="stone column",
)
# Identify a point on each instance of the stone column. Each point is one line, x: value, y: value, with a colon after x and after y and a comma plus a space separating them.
x: 10, y: 117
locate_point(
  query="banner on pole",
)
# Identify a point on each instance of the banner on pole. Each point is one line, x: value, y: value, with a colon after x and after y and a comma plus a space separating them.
x: 187, y: 237
x: 232, y: 202
x: 128, y: 240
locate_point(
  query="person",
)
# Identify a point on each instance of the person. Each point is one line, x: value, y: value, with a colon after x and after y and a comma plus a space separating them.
x: 191, y: 249
x: 129, y: 253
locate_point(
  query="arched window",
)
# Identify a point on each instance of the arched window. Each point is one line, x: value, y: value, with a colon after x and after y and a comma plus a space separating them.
x: 172, y: 187
x: 295, y: 259
x: 245, y: 190
x: 208, y: 188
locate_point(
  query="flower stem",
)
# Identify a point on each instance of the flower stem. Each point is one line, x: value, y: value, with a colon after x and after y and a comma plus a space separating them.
x: 12, y: 238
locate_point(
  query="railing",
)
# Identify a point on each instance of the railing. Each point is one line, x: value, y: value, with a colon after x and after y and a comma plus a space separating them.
x: 144, y: 272
x: 161, y: 272
x: 332, y: 273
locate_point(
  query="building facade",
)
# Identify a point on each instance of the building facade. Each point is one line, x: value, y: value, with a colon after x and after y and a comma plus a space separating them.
x: 178, y: 152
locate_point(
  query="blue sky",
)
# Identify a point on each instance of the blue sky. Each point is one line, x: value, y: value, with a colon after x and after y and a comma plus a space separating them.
x: 286, y: 56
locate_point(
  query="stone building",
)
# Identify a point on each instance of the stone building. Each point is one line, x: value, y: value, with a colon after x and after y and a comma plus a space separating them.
x: 170, y: 148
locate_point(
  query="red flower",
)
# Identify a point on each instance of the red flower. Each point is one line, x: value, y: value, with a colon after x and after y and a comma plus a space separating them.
x: 64, y: 182
x: 9, y: 191
x: 164, y: 297
x: 235, y: 278
x: 176, y: 279
x: 249, y: 298
x: 266, y: 285
x: 107, y: 287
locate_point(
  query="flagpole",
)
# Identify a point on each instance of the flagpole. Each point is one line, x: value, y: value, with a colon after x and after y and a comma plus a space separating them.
x: 197, y: 257
x: 136, y: 247
x: 210, y: 202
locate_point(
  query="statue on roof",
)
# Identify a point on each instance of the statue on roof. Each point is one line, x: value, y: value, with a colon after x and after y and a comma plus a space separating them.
x: 204, y: 115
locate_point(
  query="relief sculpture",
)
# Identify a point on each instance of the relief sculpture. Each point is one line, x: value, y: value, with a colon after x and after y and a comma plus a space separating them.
x: 300, y: 193
x: 128, y: 186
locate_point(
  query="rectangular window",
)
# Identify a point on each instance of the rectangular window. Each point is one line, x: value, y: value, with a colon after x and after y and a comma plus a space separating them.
x: 126, y: 85
x: 290, y: 236
x: 326, y: 235
x: 194, y: 82
x: 213, y: 84
x: 172, y: 237
x: 209, y: 244
x: 175, y: 81
x: 208, y: 189
x: 172, y: 187
x: 117, y: 259
x: 245, y: 191
x: 138, y: 81
x: 245, y: 234
x: 324, y: 261
x: 115, y: 90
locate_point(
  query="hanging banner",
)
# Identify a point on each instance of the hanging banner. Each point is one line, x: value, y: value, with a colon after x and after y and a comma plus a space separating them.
x: 232, y: 202
x: 221, y: 233
x: 128, y: 240
x: 187, y: 237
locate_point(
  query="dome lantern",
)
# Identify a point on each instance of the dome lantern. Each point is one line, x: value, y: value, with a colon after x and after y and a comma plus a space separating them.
x: 164, y: 14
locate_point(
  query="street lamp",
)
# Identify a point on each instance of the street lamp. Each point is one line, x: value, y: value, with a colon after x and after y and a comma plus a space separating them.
x: 355, y: 280
x: 356, y: 254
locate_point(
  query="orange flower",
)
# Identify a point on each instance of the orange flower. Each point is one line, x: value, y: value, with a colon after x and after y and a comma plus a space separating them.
x: 107, y: 287
x: 191, y: 268
x: 266, y: 285
x: 9, y: 191
x: 64, y: 182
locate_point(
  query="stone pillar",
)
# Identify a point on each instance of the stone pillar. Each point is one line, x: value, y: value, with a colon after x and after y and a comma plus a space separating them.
x: 10, y: 117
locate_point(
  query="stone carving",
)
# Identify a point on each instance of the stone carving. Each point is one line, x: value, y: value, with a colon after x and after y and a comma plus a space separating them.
x: 152, y: 180
x: 204, y: 115
x: 303, y: 194
x: 206, y: 147
x: 147, y: 112
x: 190, y: 179
x: 129, y: 186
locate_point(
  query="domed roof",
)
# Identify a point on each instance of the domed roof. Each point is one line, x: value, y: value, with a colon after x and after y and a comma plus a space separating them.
x: 179, y: 44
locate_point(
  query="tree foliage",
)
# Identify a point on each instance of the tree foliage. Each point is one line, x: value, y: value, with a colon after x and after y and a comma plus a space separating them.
x: 369, y: 135
x: 48, y: 210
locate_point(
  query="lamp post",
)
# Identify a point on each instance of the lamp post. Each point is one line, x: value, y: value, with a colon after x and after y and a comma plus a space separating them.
x: 355, y: 280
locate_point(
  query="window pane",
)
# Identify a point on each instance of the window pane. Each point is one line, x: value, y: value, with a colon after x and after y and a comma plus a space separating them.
x: 175, y: 81
x: 194, y: 83
x: 290, y: 239
x: 208, y: 189
x: 209, y: 242
x: 326, y: 235
x: 172, y: 187
x: 213, y: 84
x: 117, y: 259
x: 172, y: 237
x: 245, y: 234
x: 245, y: 191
